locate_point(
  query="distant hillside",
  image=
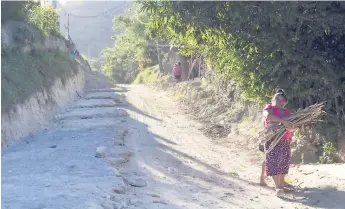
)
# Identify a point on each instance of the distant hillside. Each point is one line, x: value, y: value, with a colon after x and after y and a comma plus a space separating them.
x: 91, y: 35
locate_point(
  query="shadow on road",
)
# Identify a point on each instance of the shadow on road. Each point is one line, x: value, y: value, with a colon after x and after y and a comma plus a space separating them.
x: 183, y: 168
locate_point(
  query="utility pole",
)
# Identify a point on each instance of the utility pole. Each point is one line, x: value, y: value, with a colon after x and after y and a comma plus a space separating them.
x: 68, y: 25
x: 159, y: 58
x: 200, y: 66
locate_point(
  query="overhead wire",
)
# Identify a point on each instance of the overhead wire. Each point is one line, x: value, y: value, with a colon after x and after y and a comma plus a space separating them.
x: 91, y: 16
x: 87, y: 16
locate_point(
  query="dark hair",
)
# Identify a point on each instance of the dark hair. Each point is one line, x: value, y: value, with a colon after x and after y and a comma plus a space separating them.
x: 280, y: 92
x: 179, y: 63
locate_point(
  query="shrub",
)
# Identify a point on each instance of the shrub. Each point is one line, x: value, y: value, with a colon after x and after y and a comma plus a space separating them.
x: 45, y: 19
x: 328, y: 155
x: 151, y: 76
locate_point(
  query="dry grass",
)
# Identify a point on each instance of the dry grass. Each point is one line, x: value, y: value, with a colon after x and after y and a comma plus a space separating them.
x: 25, y: 74
x: 151, y: 76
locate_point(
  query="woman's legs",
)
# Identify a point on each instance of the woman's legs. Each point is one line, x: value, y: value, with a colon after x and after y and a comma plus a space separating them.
x: 277, y: 163
x: 277, y: 181
x: 262, y: 177
x: 282, y: 179
x: 278, y: 184
x: 285, y: 184
x: 285, y: 162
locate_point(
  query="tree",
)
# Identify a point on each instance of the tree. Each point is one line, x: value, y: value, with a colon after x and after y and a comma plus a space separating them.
x: 45, y: 19
x: 298, y: 46
x: 132, y: 47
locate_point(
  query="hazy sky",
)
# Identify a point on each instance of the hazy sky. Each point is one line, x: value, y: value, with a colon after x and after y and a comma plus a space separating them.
x: 92, y: 34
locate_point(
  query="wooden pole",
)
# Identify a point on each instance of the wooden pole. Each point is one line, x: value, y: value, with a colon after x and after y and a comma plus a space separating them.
x: 159, y: 58
x: 199, y: 66
x: 68, y: 25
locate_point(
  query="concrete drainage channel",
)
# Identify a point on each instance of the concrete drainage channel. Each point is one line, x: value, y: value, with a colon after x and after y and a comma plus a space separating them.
x: 76, y: 162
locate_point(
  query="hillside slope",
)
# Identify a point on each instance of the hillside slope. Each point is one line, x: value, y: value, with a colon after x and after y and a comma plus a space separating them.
x: 38, y: 79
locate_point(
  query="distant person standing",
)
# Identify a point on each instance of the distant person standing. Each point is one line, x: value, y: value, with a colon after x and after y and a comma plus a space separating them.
x: 177, y: 71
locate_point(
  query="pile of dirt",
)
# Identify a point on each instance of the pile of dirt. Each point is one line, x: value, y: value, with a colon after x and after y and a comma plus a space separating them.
x: 96, y: 80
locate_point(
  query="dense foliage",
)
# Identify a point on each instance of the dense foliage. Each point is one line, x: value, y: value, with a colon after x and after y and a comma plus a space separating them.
x: 132, y: 48
x: 298, y: 46
x: 45, y: 19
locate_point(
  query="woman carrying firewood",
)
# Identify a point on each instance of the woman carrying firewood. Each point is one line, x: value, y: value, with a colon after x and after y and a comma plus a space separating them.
x: 278, y: 159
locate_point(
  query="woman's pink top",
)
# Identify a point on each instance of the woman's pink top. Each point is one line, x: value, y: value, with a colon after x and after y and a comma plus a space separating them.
x: 280, y: 114
x: 177, y: 70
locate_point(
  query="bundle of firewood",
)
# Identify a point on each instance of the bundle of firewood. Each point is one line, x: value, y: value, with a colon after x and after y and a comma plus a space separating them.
x: 303, y: 117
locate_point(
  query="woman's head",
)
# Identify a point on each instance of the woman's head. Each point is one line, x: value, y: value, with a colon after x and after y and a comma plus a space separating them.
x: 280, y: 99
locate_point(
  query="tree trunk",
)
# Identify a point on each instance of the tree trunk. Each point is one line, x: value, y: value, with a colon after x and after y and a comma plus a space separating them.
x: 160, y: 64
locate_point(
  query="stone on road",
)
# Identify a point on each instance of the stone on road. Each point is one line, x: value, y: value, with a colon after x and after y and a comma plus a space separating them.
x: 100, y: 151
x: 135, y: 182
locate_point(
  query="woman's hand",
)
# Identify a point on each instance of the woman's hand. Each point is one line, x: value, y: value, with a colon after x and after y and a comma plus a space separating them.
x: 289, y: 126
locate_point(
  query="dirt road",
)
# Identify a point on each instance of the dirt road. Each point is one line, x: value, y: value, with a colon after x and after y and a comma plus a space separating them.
x: 155, y: 158
x: 187, y: 170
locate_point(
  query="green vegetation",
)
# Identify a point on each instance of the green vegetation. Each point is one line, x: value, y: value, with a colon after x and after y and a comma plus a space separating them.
x: 151, y: 76
x: 45, y: 19
x: 329, y: 153
x: 25, y: 74
x: 94, y: 63
x: 16, y: 10
x: 262, y: 46
x: 298, y: 46
x: 132, y: 49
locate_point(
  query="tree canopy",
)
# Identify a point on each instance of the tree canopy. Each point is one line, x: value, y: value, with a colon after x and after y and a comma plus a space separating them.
x: 131, y: 48
x: 43, y: 18
x: 297, y: 46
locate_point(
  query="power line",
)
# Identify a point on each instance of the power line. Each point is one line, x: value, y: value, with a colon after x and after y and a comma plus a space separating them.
x: 92, y: 16
x: 100, y: 13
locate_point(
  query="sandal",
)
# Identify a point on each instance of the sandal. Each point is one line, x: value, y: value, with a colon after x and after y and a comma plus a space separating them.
x: 289, y: 185
x: 288, y: 190
x: 279, y: 192
x: 262, y: 182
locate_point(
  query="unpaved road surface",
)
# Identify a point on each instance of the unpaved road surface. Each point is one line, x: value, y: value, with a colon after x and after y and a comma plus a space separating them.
x: 57, y: 167
x: 188, y: 170
x: 155, y: 158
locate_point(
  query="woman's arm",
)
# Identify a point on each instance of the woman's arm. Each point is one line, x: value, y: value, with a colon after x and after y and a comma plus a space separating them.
x: 269, y: 115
